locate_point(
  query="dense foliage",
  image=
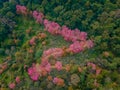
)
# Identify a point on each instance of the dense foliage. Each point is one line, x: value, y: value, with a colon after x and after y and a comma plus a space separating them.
x: 7, y: 23
x: 60, y: 44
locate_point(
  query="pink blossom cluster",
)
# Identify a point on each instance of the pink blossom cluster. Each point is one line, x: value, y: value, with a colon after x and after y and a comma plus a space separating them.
x: 55, y: 52
x: 17, y: 79
x: 34, y: 72
x: 38, y: 70
x: 73, y: 35
x: 52, y: 27
x: 44, y: 68
x: 58, y: 81
x: 58, y: 65
x: 77, y: 46
x: 78, y: 38
x: 32, y: 41
x: 13, y: 84
x: 21, y: 9
x: 38, y: 16
x: 68, y: 34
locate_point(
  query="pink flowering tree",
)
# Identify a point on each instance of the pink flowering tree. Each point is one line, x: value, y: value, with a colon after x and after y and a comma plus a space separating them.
x: 58, y: 65
x: 38, y: 16
x: 52, y: 27
x: 21, y: 10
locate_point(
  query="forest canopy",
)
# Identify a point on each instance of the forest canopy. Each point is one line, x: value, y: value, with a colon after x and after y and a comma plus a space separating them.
x: 44, y: 44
